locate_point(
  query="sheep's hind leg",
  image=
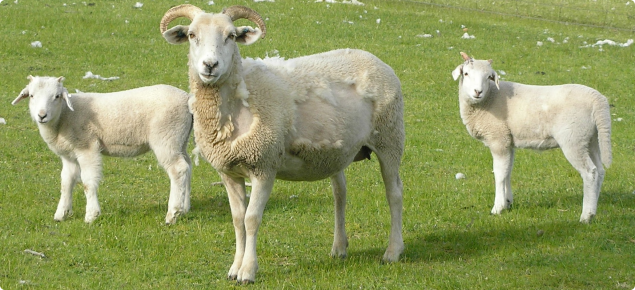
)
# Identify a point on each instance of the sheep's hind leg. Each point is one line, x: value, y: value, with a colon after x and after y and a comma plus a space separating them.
x: 340, y: 241
x: 70, y: 175
x: 582, y: 161
x: 179, y: 172
x: 503, y: 163
x: 90, y: 164
x: 389, y: 163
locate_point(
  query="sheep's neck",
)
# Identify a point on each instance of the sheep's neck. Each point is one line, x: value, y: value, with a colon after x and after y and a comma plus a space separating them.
x: 211, y: 113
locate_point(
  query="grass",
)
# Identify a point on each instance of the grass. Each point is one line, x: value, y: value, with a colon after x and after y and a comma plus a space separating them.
x: 452, y: 241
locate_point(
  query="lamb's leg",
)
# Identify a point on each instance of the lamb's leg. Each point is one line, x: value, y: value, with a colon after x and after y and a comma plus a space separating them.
x: 389, y: 162
x: 179, y: 172
x: 578, y: 156
x: 340, y: 241
x: 236, y: 194
x: 70, y: 175
x: 261, y: 187
x: 503, y: 163
x: 90, y: 164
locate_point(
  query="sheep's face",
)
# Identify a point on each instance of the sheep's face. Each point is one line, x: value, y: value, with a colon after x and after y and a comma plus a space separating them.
x: 475, y: 77
x: 212, y: 39
x: 46, y: 96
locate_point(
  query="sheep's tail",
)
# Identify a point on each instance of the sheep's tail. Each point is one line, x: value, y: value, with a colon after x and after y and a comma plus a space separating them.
x: 602, y: 117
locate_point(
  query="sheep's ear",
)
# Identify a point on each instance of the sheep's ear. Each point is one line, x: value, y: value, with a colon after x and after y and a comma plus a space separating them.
x: 457, y: 72
x: 23, y: 95
x: 247, y: 35
x: 465, y: 56
x: 177, y: 34
x: 67, y: 97
x: 494, y: 76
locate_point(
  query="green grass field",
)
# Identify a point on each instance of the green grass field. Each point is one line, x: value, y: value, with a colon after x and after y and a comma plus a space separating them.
x: 452, y: 242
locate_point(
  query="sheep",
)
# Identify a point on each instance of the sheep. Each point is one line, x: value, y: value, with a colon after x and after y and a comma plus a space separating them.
x: 574, y: 117
x: 301, y: 119
x: 79, y: 129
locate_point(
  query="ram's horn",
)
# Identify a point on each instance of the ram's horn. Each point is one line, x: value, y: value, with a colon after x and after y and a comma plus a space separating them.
x: 185, y: 10
x: 242, y: 12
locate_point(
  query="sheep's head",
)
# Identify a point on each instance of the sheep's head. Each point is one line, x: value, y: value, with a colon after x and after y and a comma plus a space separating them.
x: 475, y: 77
x: 212, y: 37
x: 46, y: 96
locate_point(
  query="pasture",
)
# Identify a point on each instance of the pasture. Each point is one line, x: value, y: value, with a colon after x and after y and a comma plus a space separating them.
x: 452, y: 242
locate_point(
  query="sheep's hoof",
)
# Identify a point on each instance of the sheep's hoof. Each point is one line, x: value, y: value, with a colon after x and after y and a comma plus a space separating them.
x: 587, y: 220
x: 232, y: 277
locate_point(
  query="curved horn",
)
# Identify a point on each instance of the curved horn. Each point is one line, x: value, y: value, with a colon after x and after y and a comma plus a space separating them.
x: 185, y: 10
x: 241, y: 12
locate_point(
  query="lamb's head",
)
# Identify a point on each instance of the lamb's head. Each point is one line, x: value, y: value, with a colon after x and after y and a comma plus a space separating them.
x: 212, y: 37
x: 47, y: 97
x: 475, y: 77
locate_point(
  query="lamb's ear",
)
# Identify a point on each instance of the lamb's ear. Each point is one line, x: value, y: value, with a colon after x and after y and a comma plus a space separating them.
x: 67, y: 97
x: 23, y: 95
x: 494, y: 76
x: 247, y: 35
x: 177, y: 34
x: 457, y: 72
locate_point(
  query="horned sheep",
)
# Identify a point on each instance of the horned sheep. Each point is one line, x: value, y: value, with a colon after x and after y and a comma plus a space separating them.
x: 83, y: 126
x: 504, y: 115
x: 300, y: 119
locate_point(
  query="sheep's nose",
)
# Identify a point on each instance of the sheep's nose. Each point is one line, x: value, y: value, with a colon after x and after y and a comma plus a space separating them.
x: 478, y: 93
x: 210, y: 65
x: 42, y: 116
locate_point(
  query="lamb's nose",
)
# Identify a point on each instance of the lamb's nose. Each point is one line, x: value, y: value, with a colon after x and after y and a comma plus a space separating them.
x: 478, y: 93
x: 42, y: 116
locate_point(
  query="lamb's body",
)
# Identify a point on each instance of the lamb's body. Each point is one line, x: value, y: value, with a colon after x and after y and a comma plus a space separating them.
x: 301, y: 119
x: 573, y: 117
x: 119, y: 124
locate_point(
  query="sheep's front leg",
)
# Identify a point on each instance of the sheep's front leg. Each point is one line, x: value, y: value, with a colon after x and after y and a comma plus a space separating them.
x: 503, y: 163
x: 236, y: 193
x: 90, y: 164
x: 70, y: 175
x: 340, y: 241
x: 261, y: 187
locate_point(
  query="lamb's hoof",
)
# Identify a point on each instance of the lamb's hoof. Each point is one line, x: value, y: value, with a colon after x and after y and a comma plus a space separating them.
x: 91, y: 217
x: 246, y: 282
x: 62, y: 215
x: 232, y: 277
x: 171, y: 217
x: 587, y: 219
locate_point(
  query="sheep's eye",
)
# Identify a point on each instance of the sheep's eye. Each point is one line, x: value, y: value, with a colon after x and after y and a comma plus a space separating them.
x: 31, y: 96
x: 191, y: 35
x: 232, y: 36
x: 58, y: 96
x: 465, y: 74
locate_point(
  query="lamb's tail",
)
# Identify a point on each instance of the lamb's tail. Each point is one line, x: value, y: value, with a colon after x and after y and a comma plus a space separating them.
x: 602, y: 117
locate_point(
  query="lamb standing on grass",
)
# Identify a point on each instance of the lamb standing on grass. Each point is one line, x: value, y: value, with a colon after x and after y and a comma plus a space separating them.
x: 300, y: 119
x: 122, y: 124
x: 575, y: 118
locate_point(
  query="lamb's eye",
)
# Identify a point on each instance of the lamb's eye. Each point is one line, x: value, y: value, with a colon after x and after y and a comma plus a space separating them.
x: 58, y: 96
x: 465, y: 74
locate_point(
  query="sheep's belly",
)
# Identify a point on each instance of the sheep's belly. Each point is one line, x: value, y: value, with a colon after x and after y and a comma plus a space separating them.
x: 537, y: 144
x: 313, y: 168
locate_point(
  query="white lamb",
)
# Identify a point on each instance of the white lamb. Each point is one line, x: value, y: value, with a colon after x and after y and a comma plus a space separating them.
x: 504, y: 115
x: 123, y: 124
x: 300, y: 119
